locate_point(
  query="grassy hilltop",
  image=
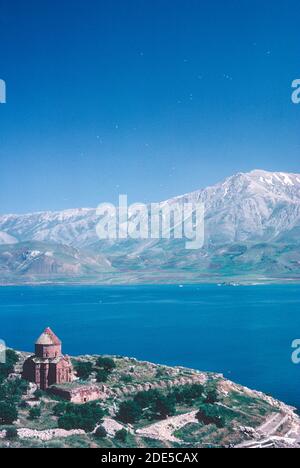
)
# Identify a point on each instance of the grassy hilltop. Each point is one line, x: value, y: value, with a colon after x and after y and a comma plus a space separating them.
x: 179, y: 408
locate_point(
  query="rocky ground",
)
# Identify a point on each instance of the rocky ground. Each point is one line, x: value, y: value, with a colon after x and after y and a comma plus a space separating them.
x: 250, y: 419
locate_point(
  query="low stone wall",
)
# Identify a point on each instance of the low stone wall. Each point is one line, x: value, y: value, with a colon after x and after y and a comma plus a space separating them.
x: 161, y: 384
x: 85, y: 393
x: 46, y: 435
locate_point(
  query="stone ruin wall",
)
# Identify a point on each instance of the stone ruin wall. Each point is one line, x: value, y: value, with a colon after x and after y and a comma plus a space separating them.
x: 159, y: 385
x: 89, y: 393
x: 80, y: 395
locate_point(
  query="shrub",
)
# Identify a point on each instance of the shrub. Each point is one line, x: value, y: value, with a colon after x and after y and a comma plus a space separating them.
x: 188, y: 393
x: 11, y: 433
x: 163, y: 407
x: 7, y: 368
x: 211, y: 397
x: 84, y: 369
x: 121, y: 435
x: 38, y: 394
x: 8, y: 413
x: 146, y: 399
x: 106, y: 363
x: 127, y: 379
x: 210, y: 414
x: 102, y: 375
x: 160, y: 372
x: 23, y: 404
x: 60, y: 408
x: 100, y: 432
x: 34, y: 413
x: 12, y: 391
x: 130, y: 412
x: 80, y: 416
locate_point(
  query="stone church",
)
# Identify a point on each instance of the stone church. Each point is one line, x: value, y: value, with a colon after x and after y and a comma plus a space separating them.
x: 48, y: 366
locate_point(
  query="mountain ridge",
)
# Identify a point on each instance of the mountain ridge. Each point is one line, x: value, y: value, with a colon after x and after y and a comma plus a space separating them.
x: 252, y: 226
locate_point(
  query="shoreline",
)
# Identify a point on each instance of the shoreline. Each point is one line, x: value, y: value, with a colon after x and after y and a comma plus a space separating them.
x: 220, y: 283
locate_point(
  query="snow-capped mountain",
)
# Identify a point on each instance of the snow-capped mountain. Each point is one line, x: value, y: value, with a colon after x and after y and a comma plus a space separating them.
x: 252, y: 228
x: 255, y: 206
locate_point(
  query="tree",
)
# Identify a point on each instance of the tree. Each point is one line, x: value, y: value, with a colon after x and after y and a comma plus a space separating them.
x: 11, y: 433
x: 8, y: 413
x: 100, y: 432
x: 146, y: 399
x: 188, y: 393
x: 34, y: 413
x: 84, y: 369
x: 11, y: 391
x: 80, y: 416
x: 164, y: 407
x: 129, y: 412
x: 7, y: 368
x: 210, y: 414
x: 102, y: 375
x: 38, y: 394
x: 121, y: 435
x: 211, y: 397
x: 60, y: 408
x: 127, y: 379
x: 106, y: 363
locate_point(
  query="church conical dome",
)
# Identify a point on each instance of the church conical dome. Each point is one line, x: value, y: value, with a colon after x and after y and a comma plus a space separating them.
x: 48, y: 338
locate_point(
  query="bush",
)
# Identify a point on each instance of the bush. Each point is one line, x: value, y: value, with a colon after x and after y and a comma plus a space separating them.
x: 100, y: 432
x: 127, y: 379
x: 34, y: 413
x: 188, y: 393
x: 211, y: 397
x: 38, y: 394
x: 163, y: 407
x: 8, y: 413
x: 12, y: 391
x: 210, y: 414
x: 130, y: 412
x: 160, y: 372
x: 60, y: 408
x: 106, y: 363
x: 84, y: 369
x: 80, y: 416
x: 7, y: 368
x: 147, y: 399
x: 11, y: 433
x: 122, y: 435
x: 102, y: 375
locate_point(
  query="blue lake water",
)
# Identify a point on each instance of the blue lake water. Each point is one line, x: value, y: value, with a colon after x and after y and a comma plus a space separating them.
x: 244, y: 332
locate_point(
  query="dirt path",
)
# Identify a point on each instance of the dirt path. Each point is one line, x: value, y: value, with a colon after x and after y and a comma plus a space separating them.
x: 267, y: 431
x: 164, y: 430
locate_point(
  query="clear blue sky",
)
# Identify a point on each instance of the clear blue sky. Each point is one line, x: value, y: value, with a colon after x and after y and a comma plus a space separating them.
x: 149, y: 98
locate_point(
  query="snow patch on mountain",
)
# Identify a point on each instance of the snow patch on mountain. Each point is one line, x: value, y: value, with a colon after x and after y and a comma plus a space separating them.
x: 255, y: 206
x: 6, y: 239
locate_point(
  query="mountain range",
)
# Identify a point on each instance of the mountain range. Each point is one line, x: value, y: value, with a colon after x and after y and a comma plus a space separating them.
x: 252, y: 227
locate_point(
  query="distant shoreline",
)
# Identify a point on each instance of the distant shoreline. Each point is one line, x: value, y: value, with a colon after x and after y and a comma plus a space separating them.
x: 221, y: 283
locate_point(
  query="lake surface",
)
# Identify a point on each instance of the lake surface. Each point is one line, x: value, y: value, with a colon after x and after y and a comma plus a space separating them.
x: 243, y: 332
